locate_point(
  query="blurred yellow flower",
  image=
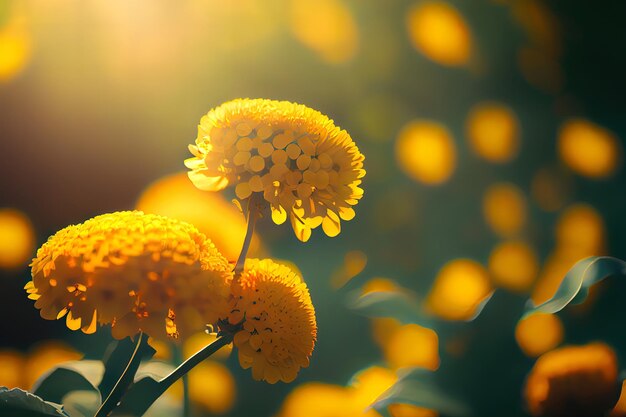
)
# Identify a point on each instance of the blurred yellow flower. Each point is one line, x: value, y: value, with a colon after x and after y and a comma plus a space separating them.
x: 458, y: 290
x: 379, y: 284
x: 493, y: 132
x: 12, y: 369
x: 409, y: 410
x: 295, y: 158
x: 513, y: 265
x: 139, y: 272
x: 44, y: 357
x: 371, y: 383
x: 315, y: 399
x: 425, y: 151
x: 211, y: 385
x: 504, y: 209
x: 438, y: 30
x: 354, y: 263
x: 22, y: 370
x: 574, y: 381
x: 539, y: 333
x: 325, y: 26
x: 17, y: 239
x: 15, y: 48
x: 176, y: 197
x: 580, y: 232
x: 383, y: 328
x: 589, y: 149
x: 279, y: 327
x: 199, y: 340
x: 412, y: 345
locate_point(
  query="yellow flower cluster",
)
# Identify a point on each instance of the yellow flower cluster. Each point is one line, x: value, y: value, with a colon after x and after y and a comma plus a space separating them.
x: 136, y: 271
x: 279, y: 326
x: 574, y: 381
x: 304, y: 166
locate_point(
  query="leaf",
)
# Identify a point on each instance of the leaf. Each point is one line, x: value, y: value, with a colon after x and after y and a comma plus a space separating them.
x: 418, y: 388
x: 138, y: 397
x: 400, y: 304
x: 69, y: 376
x: 19, y: 403
x: 115, y: 362
x: 82, y: 403
x: 140, y: 350
x: 575, y: 286
x: 156, y: 370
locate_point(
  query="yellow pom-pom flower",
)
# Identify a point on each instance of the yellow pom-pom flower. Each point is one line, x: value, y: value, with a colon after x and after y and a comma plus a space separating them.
x: 279, y: 328
x: 304, y: 167
x: 139, y: 272
x: 574, y: 381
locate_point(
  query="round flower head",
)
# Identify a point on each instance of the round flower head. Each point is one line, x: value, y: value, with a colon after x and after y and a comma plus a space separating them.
x: 139, y: 272
x: 302, y: 165
x: 279, y: 327
x: 574, y: 381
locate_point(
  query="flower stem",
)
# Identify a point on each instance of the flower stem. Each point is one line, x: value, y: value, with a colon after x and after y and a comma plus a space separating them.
x: 146, y: 391
x: 198, y: 357
x: 252, y: 215
x: 124, y: 380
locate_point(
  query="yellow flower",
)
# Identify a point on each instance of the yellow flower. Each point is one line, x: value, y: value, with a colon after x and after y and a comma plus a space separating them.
x: 303, y: 166
x: 574, y: 381
x: 279, y: 327
x: 139, y: 272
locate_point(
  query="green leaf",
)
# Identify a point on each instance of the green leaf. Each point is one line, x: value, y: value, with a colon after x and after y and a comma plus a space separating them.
x: 156, y: 370
x: 82, y: 403
x: 575, y: 286
x: 115, y: 361
x: 141, y: 350
x: 19, y: 403
x: 69, y: 376
x: 418, y: 388
x: 399, y: 304
x: 139, y: 397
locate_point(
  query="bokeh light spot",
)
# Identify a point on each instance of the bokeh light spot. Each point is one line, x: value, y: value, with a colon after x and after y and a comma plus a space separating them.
x: 513, y: 265
x: 425, y: 151
x: 17, y: 239
x: 412, y: 345
x: 458, y: 290
x: 354, y: 263
x: 589, y: 149
x: 580, y: 231
x: 539, y: 333
x: 15, y: 48
x: 504, y: 209
x: 438, y: 31
x: 493, y: 132
x: 327, y: 27
x: 176, y: 197
x: 11, y: 369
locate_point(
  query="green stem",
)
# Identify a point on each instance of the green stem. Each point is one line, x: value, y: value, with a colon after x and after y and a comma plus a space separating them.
x: 198, y: 357
x: 252, y: 215
x: 124, y: 380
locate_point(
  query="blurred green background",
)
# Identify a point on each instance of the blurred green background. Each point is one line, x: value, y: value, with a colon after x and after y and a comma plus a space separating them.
x: 99, y: 99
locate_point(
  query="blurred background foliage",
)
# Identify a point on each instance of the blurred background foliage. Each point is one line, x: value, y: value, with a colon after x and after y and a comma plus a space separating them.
x: 492, y: 133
